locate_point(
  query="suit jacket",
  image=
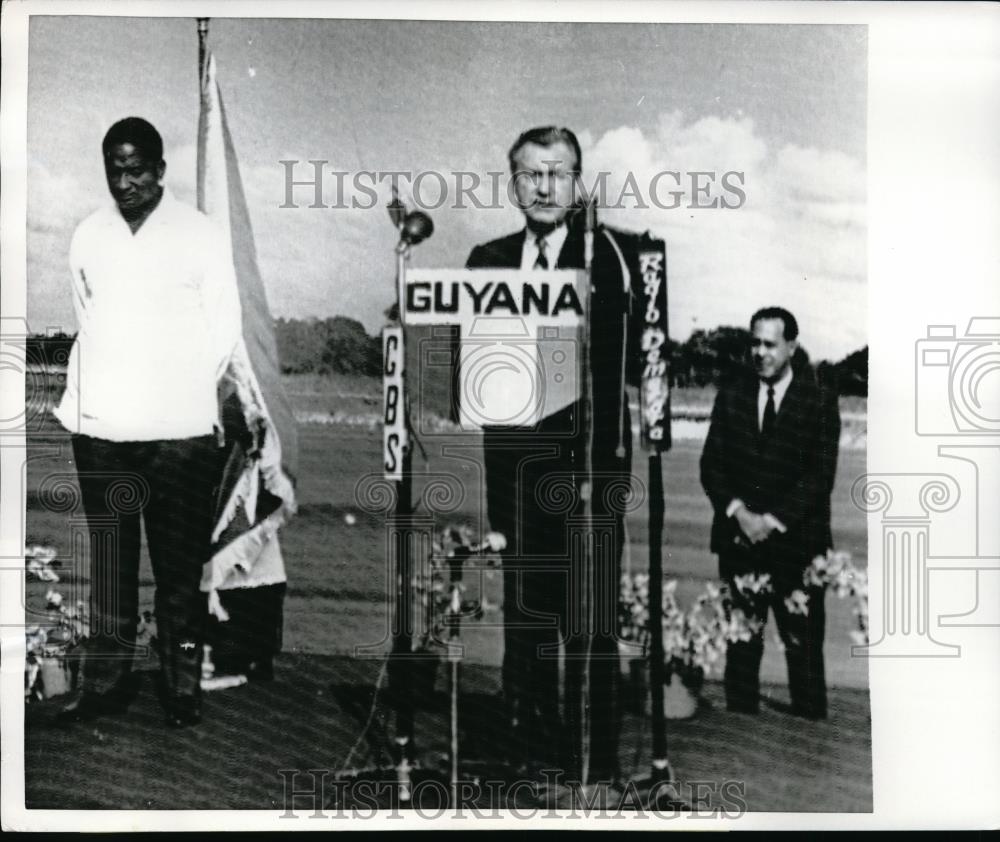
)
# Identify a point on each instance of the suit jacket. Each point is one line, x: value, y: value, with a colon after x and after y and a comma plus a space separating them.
x: 610, y: 325
x: 790, y: 474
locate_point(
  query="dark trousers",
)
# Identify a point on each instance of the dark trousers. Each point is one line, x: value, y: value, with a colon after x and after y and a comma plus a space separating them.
x: 532, y: 633
x: 542, y: 614
x: 170, y: 485
x: 248, y: 641
x: 544, y: 626
x: 802, y: 637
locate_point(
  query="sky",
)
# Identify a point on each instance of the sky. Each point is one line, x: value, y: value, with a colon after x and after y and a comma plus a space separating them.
x: 783, y: 105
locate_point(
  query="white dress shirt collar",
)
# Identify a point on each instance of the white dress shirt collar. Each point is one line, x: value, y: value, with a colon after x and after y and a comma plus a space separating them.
x: 780, y: 387
x: 163, y: 211
x: 554, y: 241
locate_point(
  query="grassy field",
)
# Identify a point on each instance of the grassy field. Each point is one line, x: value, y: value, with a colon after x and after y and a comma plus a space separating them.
x: 335, y: 551
x: 330, y: 392
x: 336, y: 547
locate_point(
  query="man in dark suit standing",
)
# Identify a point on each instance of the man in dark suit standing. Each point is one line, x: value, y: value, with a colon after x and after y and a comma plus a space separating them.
x: 524, y: 466
x: 768, y: 467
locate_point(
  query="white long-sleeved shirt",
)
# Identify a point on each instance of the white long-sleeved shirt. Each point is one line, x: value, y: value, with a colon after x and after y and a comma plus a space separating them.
x: 158, y: 314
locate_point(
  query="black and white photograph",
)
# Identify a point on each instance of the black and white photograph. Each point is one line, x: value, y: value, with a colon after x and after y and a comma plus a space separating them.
x: 445, y: 415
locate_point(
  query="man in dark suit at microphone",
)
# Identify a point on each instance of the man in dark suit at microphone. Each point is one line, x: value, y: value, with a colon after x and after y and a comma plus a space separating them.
x: 523, y: 465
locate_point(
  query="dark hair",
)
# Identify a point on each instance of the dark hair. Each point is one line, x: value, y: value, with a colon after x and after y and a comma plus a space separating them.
x: 791, y: 330
x: 546, y: 136
x: 140, y: 133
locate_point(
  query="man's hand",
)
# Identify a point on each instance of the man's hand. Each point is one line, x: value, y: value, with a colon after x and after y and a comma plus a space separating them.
x: 773, y: 523
x: 752, y: 525
x: 495, y: 541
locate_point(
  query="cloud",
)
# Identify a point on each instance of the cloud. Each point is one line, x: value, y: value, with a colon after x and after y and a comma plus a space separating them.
x: 56, y: 200
x: 824, y: 176
x: 798, y: 240
x: 182, y: 171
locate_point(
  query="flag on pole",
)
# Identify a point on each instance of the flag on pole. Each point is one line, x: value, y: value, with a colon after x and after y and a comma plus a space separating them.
x: 257, y: 492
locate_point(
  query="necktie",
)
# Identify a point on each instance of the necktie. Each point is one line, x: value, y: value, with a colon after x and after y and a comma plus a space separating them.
x: 767, y: 425
x: 541, y: 262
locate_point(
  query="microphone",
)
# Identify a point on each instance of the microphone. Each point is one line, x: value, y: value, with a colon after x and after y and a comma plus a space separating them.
x: 414, y: 226
x: 589, y: 226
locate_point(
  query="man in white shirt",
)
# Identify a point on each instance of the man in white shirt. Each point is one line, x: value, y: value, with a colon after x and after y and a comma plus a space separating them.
x: 158, y: 315
x: 541, y: 598
x: 768, y: 467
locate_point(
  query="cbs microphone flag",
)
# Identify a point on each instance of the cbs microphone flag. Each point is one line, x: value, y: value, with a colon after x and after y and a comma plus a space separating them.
x: 257, y: 493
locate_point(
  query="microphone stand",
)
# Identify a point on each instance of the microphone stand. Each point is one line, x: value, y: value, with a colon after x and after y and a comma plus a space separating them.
x: 660, y: 786
x: 588, y: 546
x: 414, y: 227
x: 453, y: 620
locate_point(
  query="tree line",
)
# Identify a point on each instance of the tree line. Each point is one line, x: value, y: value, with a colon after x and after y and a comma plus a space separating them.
x: 709, y: 356
x: 340, y: 345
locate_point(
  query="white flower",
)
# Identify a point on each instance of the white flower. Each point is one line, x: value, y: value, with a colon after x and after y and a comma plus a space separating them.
x: 753, y: 583
x: 46, y: 555
x: 797, y: 602
x: 42, y: 571
x: 35, y: 640
x: 54, y: 599
x: 814, y: 578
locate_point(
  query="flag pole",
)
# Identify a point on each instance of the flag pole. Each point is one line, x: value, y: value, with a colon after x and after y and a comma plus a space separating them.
x: 202, y: 36
x: 202, y: 126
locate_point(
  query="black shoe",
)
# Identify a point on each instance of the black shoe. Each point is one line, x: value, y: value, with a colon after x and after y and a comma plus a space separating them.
x: 261, y: 670
x: 184, y: 711
x: 88, y: 706
x: 807, y: 712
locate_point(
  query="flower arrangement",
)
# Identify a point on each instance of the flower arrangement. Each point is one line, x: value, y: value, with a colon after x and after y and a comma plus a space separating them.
x: 695, y: 639
x: 837, y: 571
x: 49, y: 666
x: 38, y: 561
x: 48, y: 671
x: 440, y: 590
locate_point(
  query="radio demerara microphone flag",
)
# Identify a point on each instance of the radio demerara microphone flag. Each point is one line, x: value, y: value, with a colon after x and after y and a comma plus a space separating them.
x: 257, y: 493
